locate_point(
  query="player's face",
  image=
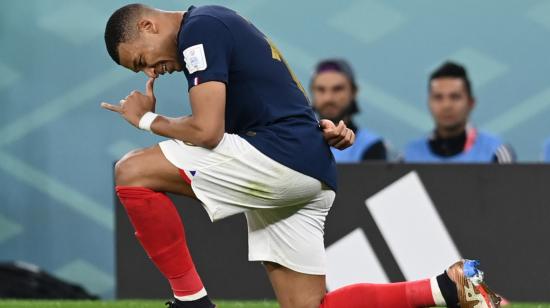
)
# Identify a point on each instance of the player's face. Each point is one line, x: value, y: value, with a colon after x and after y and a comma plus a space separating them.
x: 450, y: 103
x: 332, y: 94
x: 152, y: 52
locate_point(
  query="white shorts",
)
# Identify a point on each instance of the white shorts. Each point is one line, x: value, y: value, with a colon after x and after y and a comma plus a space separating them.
x: 285, y: 209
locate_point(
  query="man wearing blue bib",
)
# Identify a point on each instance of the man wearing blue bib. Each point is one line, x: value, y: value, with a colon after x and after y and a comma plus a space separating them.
x: 334, y: 93
x: 453, y: 140
x: 546, y: 153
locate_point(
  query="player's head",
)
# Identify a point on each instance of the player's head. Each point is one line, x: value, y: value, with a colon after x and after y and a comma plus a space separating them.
x: 142, y: 38
x: 450, y: 96
x: 334, y: 90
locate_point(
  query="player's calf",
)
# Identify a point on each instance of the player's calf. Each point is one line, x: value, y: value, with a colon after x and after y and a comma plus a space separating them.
x: 160, y: 231
x: 142, y: 176
x: 459, y: 286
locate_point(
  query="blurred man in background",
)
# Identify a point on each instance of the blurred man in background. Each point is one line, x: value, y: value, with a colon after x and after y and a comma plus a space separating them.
x: 453, y: 140
x: 334, y: 94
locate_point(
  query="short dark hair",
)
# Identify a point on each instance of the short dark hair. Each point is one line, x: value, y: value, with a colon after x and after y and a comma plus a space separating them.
x: 452, y: 70
x: 121, y: 27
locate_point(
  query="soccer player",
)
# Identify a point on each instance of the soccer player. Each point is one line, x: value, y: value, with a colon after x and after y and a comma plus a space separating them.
x: 251, y: 145
x: 334, y: 96
x: 451, y: 100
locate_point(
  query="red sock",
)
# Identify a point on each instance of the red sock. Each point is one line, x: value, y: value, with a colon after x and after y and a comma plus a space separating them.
x: 160, y: 231
x: 392, y: 295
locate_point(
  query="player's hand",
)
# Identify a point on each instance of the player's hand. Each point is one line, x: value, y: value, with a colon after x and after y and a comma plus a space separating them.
x: 135, y: 105
x: 340, y: 137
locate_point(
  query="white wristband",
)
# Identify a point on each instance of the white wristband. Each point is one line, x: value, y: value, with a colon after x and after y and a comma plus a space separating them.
x: 146, y: 120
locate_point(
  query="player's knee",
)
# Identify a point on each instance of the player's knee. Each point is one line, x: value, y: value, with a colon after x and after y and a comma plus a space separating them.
x: 128, y: 169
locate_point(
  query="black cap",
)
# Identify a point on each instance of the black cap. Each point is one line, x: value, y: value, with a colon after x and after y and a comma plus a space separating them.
x: 341, y: 66
x: 336, y: 65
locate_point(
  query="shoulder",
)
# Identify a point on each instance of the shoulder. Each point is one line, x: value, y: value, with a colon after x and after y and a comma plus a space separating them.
x: 489, y: 139
x: 205, y: 24
x: 415, y: 144
x: 366, y: 137
x: 415, y: 150
x: 217, y: 11
x: 504, y: 153
x: 367, y: 134
x: 546, y: 150
x: 206, y: 15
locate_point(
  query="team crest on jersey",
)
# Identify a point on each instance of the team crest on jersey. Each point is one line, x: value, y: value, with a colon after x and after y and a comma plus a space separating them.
x: 195, y: 59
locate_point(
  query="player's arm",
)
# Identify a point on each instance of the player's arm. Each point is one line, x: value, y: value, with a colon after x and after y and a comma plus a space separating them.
x: 205, y: 127
x: 207, y: 47
x: 340, y: 137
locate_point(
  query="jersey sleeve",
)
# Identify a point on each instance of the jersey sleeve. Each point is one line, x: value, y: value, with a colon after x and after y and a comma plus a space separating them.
x: 206, y: 47
x: 546, y: 153
x: 504, y: 154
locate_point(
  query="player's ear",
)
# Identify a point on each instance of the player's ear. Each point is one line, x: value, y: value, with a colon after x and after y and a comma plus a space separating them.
x: 147, y: 25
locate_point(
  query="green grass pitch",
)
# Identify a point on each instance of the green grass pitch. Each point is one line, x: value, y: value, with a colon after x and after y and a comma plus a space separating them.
x: 124, y: 304
x: 160, y: 304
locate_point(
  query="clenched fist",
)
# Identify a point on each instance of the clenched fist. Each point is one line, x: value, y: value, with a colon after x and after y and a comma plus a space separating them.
x: 340, y: 137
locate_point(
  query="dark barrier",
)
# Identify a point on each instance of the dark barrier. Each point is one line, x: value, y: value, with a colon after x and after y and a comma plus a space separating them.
x: 388, y: 223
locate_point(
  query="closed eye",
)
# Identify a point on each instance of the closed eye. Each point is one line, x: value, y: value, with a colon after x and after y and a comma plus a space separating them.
x: 138, y: 66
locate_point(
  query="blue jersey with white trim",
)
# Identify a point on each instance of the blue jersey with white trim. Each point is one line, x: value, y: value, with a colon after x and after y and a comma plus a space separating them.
x: 265, y: 103
x: 546, y: 154
x: 483, y: 150
x: 364, y: 139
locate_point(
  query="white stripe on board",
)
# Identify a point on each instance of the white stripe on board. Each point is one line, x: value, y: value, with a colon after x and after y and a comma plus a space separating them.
x: 412, y: 228
x: 352, y: 260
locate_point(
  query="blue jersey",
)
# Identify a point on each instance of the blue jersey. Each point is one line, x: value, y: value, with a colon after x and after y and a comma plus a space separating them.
x: 265, y: 103
x: 483, y: 150
x: 364, y: 139
x: 547, y: 151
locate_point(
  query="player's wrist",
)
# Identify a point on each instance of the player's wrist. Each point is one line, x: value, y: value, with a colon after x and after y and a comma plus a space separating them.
x: 147, y: 120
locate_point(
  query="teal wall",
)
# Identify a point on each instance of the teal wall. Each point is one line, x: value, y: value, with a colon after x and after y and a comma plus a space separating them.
x: 57, y: 146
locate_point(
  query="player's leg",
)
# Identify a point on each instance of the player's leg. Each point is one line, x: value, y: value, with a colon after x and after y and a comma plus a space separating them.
x: 305, y: 287
x: 291, y: 240
x: 293, y: 289
x: 411, y: 294
x: 149, y: 168
x: 297, y: 290
x: 460, y: 286
x: 142, y: 178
